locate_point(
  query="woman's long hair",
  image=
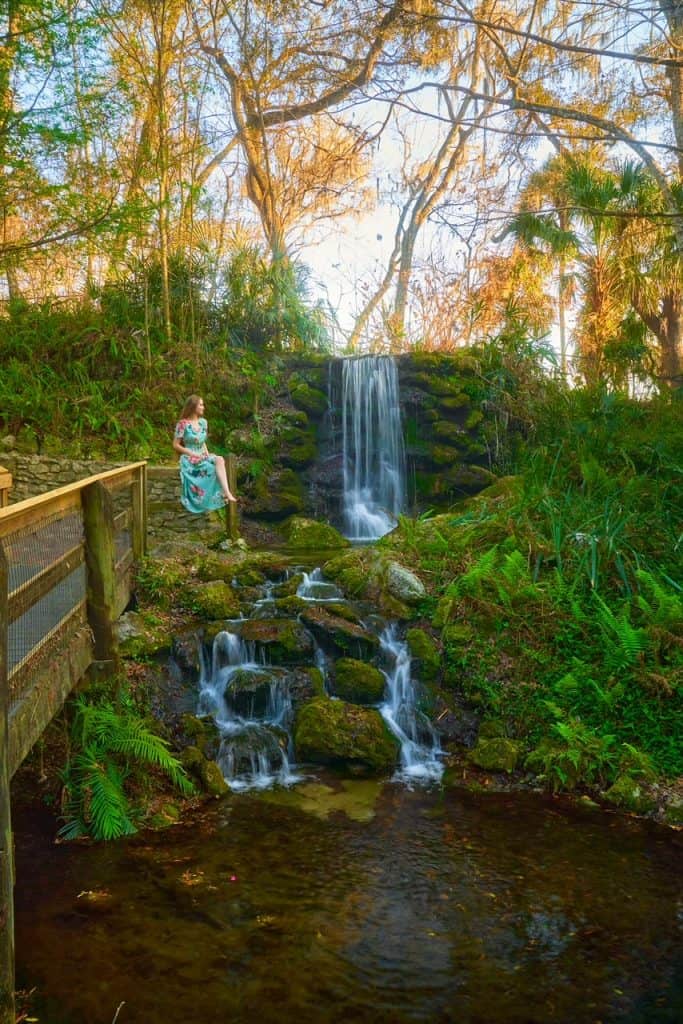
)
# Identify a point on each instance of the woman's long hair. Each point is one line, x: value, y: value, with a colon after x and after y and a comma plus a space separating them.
x: 190, y: 407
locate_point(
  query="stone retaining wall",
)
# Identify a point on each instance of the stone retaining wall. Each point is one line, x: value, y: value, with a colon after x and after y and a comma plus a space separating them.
x: 36, y: 474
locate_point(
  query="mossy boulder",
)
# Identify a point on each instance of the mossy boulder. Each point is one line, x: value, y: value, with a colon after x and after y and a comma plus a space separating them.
x: 203, y: 733
x: 284, y: 641
x: 444, y: 430
x: 206, y: 772
x: 331, y: 732
x: 425, y: 652
x: 338, y: 635
x: 350, y: 571
x: 444, y: 455
x: 496, y: 754
x: 215, y: 600
x: 298, y: 447
x: 141, y: 635
x: 453, y: 403
x: 474, y: 419
x: 248, y: 692
x: 357, y: 682
x: 309, y: 535
x: 403, y: 584
x: 673, y: 811
x: 213, y: 566
x: 455, y: 634
x: 312, y: 400
x: 468, y: 479
x: 277, y: 495
x: 630, y: 794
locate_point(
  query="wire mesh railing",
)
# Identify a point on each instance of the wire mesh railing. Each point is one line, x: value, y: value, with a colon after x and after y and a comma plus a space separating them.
x: 67, y: 560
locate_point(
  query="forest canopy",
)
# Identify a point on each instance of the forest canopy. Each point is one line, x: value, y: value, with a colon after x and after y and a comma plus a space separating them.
x: 524, y: 166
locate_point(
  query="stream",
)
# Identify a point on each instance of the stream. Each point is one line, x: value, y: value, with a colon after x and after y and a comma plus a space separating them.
x: 356, y: 900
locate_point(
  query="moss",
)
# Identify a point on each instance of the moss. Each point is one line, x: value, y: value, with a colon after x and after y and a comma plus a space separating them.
x: 474, y: 419
x: 203, y: 731
x: 358, y: 682
x: 285, y: 640
x: 496, y: 754
x: 279, y: 494
x: 317, y: 681
x: 248, y: 575
x: 215, y: 600
x: 629, y: 794
x: 444, y: 430
x: 468, y: 479
x: 248, y: 692
x: 492, y: 728
x: 310, y: 535
x: 339, y: 635
x: 334, y: 733
x: 444, y: 455
x: 312, y: 400
x: 425, y: 651
x: 140, y: 636
x: 456, y: 634
x: 455, y: 402
x: 291, y: 606
x: 214, y: 567
x: 673, y: 812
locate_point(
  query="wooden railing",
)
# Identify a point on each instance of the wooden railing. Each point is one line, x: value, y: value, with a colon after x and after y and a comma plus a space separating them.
x: 66, y: 561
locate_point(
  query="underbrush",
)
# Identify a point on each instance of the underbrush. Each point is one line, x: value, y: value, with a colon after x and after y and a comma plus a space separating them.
x: 557, y: 591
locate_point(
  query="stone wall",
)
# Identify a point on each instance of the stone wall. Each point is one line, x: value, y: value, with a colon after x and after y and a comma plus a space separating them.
x: 37, y: 474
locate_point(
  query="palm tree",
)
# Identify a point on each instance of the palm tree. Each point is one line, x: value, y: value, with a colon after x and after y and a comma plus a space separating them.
x: 605, y: 224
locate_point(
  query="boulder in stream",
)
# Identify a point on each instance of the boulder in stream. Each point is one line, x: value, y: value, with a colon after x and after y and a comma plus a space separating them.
x: 358, y: 682
x: 311, y: 535
x: 284, y: 641
x: 331, y: 732
x: 338, y: 635
x: 248, y: 692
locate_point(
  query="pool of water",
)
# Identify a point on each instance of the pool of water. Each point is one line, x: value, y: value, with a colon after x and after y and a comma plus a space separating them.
x: 356, y: 901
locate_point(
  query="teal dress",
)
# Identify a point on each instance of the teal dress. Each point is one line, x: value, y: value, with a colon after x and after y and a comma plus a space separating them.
x: 200, y: 490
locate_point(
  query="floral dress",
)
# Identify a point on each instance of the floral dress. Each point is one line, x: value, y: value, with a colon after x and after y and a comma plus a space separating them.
x: 200, y: 490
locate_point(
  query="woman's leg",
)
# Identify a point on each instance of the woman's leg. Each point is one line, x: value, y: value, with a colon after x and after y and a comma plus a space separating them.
x: 219, y: 463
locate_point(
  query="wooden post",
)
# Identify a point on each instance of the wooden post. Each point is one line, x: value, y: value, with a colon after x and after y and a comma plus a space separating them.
x: 7, y: 1014
x: 100, y: 556
x: 139, y: 526
x: 5, y: 486
x: 231, y: 517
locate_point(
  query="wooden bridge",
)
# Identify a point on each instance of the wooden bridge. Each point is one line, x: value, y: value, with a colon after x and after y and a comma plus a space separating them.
x: 66, y: 562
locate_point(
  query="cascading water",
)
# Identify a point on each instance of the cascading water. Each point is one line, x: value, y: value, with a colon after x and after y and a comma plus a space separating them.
x: 420, y: 747
x: 373, y: 449
x: 251, y: 753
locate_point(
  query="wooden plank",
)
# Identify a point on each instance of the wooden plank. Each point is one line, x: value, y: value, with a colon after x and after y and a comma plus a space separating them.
x: 22, y: 515
x: 25, y: 596
x: 14, y: 517
x: 125, y: 562
x: 7, y: 1015
x: 122, y: 520
x: 53, y: 676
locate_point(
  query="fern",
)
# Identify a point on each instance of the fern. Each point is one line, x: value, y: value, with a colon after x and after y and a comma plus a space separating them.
x: 109, y: 742
x: 665, y: 608
x: 625, y: 643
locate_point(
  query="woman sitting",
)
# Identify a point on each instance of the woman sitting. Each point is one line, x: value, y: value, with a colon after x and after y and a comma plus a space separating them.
x: 203, y: 478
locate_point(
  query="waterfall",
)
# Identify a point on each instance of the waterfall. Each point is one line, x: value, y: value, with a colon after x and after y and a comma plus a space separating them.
x: 373, y: 450
x: 420, y: 747
x: 250, y: 755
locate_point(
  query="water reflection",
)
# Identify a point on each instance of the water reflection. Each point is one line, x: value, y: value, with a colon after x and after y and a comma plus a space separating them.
x: 414, y: 908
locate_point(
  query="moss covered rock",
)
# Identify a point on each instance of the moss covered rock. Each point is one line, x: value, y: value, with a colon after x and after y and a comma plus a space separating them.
x: 312, y: 400
x: 203, y: 732
x: 358, y: 682
x: 206, y: 772
x: 248, y: 692
x: 141, y: 635
x: 215, y: 600
x: 425, y: 653
x: 338, y: 635
x: 214, y: 566
x: 284, y: 641
x: 630, y: 794
x: 309, y: 535
x: 334, y: 733
x: 496, y: 754
x: 466, y: 479
x: 404, y: 584
x: 444, y: 430
x: 298, y: 447
x: 277, y: 495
